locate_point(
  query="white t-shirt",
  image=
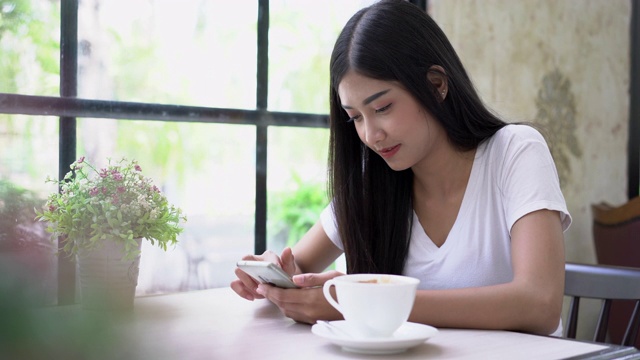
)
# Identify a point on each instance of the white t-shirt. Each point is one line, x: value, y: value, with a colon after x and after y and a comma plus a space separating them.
x: 513, y: 174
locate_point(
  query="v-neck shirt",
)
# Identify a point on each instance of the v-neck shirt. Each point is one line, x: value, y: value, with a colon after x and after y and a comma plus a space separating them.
x: 513, y: 174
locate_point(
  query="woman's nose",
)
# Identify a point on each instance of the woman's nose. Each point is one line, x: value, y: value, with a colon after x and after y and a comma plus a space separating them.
x: 372, y: 132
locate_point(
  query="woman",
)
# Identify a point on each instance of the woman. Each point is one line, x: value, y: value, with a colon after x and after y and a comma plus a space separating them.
x: 425, y: 181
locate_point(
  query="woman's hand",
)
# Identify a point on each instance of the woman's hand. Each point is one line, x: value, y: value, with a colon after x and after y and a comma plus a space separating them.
x: 246, y: 286
x: 306, y: 305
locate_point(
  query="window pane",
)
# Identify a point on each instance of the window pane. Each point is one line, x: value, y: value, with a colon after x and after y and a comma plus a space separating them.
x: 27, y: 255
x: 188, y: 52
x: 30, y: 47
x: 301, y: 37
x: 208, y: 170
x: 296, y: 182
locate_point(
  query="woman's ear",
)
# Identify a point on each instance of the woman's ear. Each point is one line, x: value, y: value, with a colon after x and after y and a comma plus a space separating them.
x: 438, y: 77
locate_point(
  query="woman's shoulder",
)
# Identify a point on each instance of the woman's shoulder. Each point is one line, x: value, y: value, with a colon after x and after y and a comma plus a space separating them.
x: 519, y: 131
x: 510, y: 138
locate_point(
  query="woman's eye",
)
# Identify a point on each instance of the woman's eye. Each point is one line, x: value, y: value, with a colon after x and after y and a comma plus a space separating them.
x: 383, y: 109
x: 354, y: 119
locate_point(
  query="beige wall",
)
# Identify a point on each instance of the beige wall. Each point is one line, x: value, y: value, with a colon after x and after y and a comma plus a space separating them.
x: 563, y: 64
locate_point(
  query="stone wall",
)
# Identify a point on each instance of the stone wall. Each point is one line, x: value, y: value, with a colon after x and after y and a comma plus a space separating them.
x: 563, y: 64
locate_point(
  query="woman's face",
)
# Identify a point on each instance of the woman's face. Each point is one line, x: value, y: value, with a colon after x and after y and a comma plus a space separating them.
x: 390, y: 121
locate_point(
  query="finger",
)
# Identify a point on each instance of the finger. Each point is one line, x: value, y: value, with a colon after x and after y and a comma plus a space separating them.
x: 248, y: 283
x: 271, y: 257
x: 285, y: 300
x: 304, y: 305
x: 312, y: 279
x: 278, y: 296
x: 268, y: 291
x: 287, y: 260
x: 268, y: 255
x: 241, y: 290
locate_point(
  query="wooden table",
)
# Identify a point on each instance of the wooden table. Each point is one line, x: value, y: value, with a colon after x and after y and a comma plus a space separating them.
x: 217, y: 324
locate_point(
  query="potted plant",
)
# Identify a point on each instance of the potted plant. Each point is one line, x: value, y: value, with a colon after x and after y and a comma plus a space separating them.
x: 101, y: 216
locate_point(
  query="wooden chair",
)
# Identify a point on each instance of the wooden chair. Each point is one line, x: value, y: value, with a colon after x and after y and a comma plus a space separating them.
x: 616, y: 233
x: 616, y: 237
x: 606, y: 283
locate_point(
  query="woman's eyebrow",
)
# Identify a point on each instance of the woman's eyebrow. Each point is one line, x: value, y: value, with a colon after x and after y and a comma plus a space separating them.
x: 369, y: 99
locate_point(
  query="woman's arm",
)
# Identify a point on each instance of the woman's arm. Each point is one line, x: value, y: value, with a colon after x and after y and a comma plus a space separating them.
x: 532, y: 302
x: 315, y: 251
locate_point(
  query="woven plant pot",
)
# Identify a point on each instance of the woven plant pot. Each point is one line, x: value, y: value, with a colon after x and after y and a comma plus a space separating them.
x: 106, y: 281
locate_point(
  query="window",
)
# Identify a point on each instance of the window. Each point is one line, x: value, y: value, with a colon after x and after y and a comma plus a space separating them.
x: 222, y: 103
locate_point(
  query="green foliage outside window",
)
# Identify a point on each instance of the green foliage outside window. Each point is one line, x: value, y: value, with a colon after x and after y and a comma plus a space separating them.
x: 28, y: 39
x: 297, y: 210
x: 18, y: 227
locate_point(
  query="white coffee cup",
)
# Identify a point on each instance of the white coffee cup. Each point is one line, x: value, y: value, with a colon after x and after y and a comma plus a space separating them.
x: 373, y: 305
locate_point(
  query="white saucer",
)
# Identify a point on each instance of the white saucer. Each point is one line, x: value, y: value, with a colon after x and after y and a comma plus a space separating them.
x: 407, y: 336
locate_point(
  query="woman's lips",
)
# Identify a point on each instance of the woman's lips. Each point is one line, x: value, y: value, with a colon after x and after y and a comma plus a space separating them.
x: 389, y: 152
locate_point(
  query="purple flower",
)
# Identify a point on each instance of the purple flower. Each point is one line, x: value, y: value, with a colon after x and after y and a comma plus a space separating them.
x: 121, y: 189
x: 94, y: 191
x: 138, y: 168
x: 117, y: 176
x: 81, y: 160
x: 104, y: 173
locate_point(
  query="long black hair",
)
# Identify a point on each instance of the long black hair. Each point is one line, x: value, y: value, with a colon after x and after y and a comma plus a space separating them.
x: 392, y: 40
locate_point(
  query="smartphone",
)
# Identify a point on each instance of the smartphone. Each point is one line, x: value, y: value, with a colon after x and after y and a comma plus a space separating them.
x: 267, y: 273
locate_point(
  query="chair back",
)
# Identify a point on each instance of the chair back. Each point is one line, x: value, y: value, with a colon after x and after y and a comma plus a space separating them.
x: 616, y: 237
x: 616, y: 233
x: 606, y: 283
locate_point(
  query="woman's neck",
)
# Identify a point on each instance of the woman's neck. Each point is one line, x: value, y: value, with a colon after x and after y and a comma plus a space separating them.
x: 444, y: 175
